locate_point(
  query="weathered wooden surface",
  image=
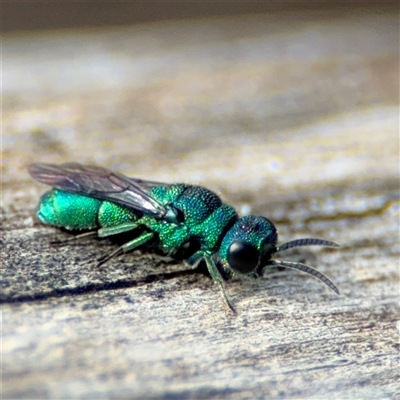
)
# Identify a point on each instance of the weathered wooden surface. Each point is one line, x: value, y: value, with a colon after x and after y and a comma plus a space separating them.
x: 296, y: 118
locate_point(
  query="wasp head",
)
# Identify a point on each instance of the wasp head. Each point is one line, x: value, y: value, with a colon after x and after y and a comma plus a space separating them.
x: 248, y: 244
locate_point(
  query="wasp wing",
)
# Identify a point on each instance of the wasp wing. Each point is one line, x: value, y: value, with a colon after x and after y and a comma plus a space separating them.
x: 144, y: 184
x: 103, y: 184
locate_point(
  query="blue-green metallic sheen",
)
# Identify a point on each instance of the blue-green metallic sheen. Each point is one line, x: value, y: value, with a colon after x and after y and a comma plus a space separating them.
x: 205, y: 216
x: 173, y: 216
x: 75, y: 212
x: 257, y: 231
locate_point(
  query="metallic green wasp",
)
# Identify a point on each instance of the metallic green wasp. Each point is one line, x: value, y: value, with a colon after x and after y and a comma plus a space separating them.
x: 171, y: 215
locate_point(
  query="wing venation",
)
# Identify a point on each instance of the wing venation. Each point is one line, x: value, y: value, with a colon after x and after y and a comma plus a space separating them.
x: 103, y: 184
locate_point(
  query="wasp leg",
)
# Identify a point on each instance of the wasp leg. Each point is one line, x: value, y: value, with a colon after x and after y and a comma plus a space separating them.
x: 116, y: 230
x: 194, y: 259
x: 101, y: 233
x: 213, y: 270
x: 128, y: 246
x: 76, y: 237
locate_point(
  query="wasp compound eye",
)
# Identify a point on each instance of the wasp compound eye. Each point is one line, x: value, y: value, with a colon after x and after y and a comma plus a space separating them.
x: 242, y: 257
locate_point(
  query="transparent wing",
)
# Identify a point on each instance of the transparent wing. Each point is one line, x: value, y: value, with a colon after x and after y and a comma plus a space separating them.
x: 144, y: 184
x: 103, y: 184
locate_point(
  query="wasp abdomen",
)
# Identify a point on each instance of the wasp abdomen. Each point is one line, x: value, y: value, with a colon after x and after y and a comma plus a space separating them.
x: 73, y: 211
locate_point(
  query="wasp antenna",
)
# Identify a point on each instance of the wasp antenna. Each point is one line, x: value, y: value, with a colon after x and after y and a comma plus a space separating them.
x: 306, y: 242
x: 308, y: 270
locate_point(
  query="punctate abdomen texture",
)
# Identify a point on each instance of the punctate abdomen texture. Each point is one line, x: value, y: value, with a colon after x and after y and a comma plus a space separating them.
x: 74, y: 211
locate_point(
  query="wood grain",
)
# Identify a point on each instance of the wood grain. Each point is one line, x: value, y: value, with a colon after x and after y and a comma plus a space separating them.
x: 294, y: 118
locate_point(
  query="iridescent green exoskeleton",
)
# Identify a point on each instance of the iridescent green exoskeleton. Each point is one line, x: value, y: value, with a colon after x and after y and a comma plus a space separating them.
x: 172, y: 215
